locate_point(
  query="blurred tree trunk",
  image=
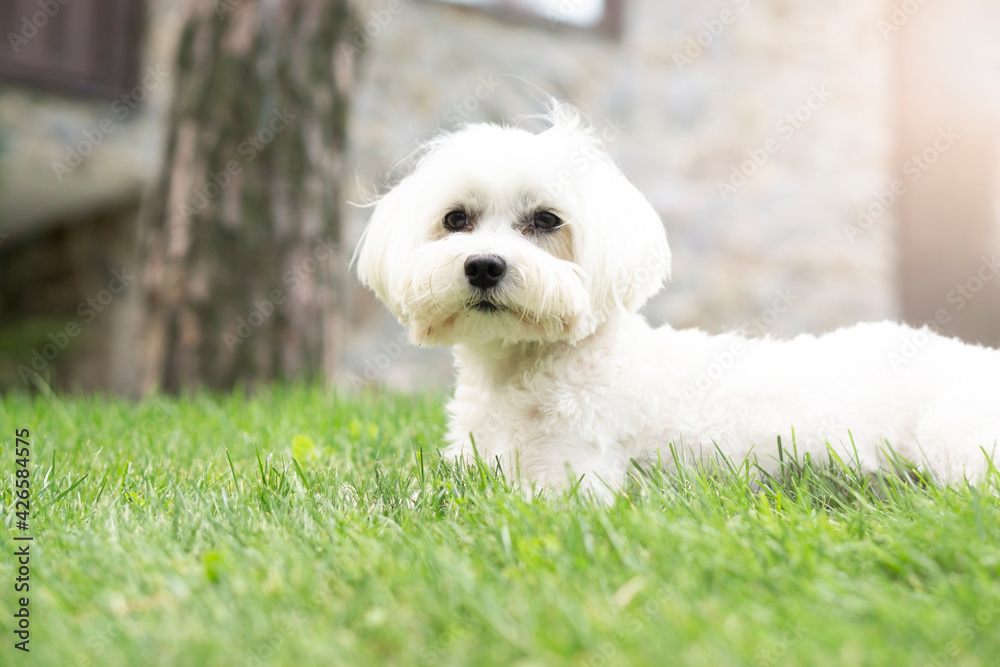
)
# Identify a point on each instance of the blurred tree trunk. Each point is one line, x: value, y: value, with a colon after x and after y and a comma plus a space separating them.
x: 237, y: 235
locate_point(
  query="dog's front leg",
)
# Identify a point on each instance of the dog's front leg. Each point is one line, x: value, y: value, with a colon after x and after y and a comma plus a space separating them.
x: 563, y: 466
x: 542, y: 465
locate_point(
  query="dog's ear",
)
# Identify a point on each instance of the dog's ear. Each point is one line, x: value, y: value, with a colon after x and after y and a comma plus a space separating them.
x: 379, y: 251
x: 620, y: 241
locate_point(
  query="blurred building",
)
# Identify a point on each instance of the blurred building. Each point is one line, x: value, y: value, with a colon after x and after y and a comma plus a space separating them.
x: 782, y: 143
x: 84, y: 92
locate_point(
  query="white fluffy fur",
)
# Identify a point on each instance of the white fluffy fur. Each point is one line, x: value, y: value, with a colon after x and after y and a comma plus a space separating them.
x: 568, y: 381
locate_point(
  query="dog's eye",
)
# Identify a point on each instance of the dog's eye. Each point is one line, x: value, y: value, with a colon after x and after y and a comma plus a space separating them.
x: 456, y: 221
x: 545, y: 220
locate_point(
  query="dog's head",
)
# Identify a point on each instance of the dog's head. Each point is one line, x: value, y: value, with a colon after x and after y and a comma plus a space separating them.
x: 499, y: 234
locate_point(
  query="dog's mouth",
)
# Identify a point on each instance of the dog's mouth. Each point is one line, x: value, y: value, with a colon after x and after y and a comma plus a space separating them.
x: 487, y: 306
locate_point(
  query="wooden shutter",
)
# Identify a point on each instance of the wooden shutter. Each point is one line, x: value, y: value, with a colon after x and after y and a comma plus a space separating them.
x: 85, y: 47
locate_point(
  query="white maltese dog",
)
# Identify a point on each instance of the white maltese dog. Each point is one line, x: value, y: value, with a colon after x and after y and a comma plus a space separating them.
x: 531, y: 254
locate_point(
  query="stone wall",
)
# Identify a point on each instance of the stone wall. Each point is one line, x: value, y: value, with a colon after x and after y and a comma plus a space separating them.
x: 65, y: 301
x: 63, y: 158
x: 72, y: 173
x: 757, y: 128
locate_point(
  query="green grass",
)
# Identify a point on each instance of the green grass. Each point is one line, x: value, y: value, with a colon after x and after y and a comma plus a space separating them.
x: 182, y: 532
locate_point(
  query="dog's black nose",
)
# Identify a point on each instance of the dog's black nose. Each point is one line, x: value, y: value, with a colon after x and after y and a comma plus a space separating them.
x: 485, y: 271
